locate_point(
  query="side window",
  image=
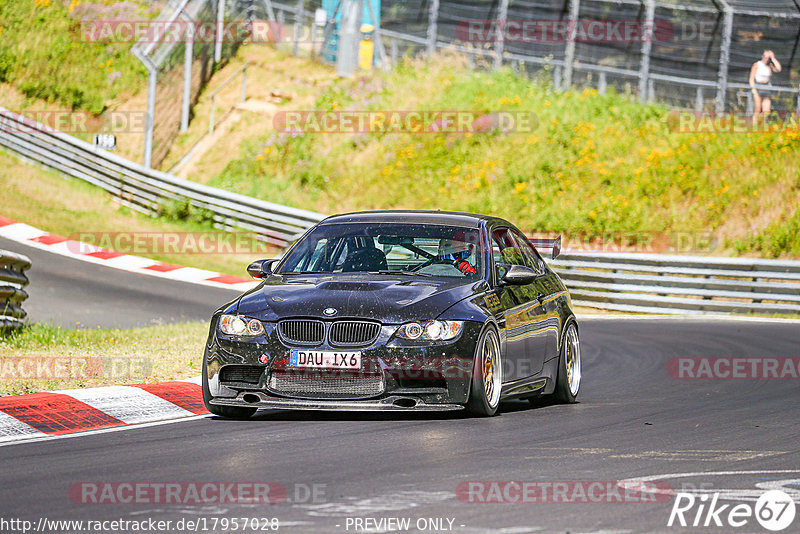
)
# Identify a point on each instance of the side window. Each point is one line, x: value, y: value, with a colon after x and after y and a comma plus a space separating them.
x: 532, y: 258
x: 505, y: 248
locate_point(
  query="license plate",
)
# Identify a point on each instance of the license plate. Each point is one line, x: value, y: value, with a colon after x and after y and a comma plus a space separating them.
x: 324, y: 359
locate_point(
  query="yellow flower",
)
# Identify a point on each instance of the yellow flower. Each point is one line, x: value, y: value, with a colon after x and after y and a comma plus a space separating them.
x: 520, y: 186
x: 259, y: 157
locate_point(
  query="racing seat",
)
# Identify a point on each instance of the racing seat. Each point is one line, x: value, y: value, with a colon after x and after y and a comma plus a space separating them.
x: 364, y: 259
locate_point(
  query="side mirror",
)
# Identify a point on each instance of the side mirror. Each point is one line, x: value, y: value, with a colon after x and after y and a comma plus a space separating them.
x: 261, y: 268
x: 519, y: 275
x: 556, y: 247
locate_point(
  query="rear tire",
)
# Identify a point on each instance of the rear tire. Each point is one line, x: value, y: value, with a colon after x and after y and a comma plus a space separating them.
x: 487, y: 375
x: 229, y: 412
x: 568, y: 383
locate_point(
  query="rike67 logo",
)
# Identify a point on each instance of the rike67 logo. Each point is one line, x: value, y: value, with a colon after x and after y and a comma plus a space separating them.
x: 774, y: 510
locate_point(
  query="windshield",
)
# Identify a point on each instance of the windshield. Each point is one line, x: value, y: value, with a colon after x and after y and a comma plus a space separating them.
x: 395, y: 248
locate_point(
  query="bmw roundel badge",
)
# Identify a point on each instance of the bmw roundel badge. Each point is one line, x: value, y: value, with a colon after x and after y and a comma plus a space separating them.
x: 330, y: 312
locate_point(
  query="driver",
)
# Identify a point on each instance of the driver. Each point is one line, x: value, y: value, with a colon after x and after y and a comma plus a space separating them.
x: 457, y: 250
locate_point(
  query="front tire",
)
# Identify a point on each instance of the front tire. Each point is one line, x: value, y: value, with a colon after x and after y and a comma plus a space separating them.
x: 568, y: 383
x: 487, y: 375
x: 229, y: 412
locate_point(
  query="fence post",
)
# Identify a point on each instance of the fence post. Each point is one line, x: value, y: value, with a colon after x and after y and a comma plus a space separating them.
x: 569, y: 53
x: 220, y: 31
x: 395, y: 52
x: 152, y: 79
x: 298, y: 17
x: 187, y: 77
x: 602, y: 84
x: 647, y: 46
x: 698, y: 99
x: 724, y: 56
x: 499, y: 45
x: 433, y: 26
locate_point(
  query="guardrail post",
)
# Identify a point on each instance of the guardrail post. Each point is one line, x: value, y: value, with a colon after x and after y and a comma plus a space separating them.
x: 698, y: 99
x: 602, y: 84
x: 569, y: 52
x: 724, y: 56
x: 647, y: 45
x: 211, y: 118
x: 499, y: 45
x: 244, y: 83
x: 433, y: 26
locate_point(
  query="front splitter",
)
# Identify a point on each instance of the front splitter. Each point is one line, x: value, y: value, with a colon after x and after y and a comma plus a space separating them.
x: 385, y: 404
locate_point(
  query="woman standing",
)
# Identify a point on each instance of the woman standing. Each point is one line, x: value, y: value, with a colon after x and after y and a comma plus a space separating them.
x: 760, y: 75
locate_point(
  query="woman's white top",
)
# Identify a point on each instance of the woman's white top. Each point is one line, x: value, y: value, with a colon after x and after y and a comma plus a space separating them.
x: 763, y: 73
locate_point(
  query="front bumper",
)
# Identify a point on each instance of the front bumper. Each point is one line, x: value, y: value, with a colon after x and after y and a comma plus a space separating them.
x: 417, y: 377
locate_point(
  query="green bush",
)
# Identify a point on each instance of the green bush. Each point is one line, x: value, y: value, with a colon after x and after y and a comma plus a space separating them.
x: 44, y: 55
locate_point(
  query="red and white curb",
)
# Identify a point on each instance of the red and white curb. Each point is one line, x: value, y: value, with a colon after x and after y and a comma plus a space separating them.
x: 55, y: 413
x: 33, y: 237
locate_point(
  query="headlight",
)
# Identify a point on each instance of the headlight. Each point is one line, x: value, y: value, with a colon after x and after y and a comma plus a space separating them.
x: 234, y: 325
x: 431, y: 330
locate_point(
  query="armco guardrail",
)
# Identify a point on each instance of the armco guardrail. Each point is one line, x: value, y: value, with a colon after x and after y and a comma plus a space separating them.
x: 146, y: 189
x: 654, y: 283
x: 12, y: 280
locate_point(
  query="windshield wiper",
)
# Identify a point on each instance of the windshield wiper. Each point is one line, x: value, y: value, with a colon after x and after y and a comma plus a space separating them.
x: 407, y: 273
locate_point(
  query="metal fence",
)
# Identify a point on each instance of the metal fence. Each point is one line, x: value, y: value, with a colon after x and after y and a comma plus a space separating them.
x: 178, y: 69
x: 653, y: 283
x: 149, y: 190
x: 692, y: 54
x: 12, y: 280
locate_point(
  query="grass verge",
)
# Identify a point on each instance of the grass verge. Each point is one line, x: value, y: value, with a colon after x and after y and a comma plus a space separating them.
x: 43, y: 357
x: 68, y: 207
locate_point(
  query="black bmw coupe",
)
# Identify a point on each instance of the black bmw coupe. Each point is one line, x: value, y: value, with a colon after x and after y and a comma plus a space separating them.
x: 396, y: 310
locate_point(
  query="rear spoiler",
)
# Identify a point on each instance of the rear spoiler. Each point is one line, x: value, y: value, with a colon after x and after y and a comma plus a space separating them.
x: 552, y: 244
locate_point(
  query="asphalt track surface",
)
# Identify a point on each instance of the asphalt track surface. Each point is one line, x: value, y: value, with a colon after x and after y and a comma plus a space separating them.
x: 65, y: 291
x: 632, y: 421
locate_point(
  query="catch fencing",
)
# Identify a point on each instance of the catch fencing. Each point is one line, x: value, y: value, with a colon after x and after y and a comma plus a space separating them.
x: 688, y: 54
x: 178, y: 69
x: 12, y: 294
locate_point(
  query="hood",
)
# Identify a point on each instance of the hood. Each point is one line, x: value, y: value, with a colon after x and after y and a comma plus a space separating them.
x: 385, y: 298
